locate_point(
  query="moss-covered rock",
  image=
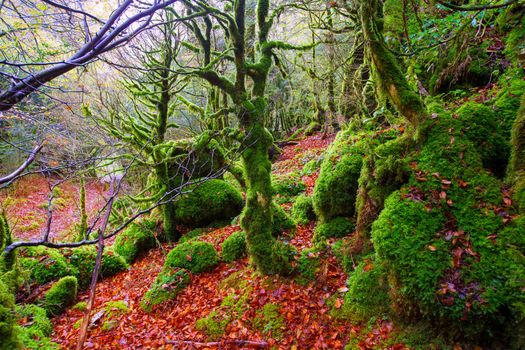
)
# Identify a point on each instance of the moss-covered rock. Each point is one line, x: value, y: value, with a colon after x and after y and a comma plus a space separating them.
x: 335, y: 191
x: 435, y: 241
x: 194, y: 256
x: 45, y: 264
x: 34, y: 328
x: 114, y: 310
x: 480, y: 125
x: 207, y: 202
x: 167, y: 285
x: 234, y: 247
x: 312, y: 128
x: 82, y: 260
x: 507, y: 103
x: 136, y: 239
x: 270, y: 320
x: 336, y: 228
x: 61, y: 295
x: 303, y: 210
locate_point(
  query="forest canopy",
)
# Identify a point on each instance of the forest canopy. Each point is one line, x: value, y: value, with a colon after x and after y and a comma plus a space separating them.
x: 279, y: 174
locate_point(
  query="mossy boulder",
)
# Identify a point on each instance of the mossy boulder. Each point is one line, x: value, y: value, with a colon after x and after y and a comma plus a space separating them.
x: 303, y: 210
x: 34, y: 328
x: 45, y: 264
x: 61, y: 295
x: 507, y: 103
x: 482, y: 127
x: 307, y: 266
x: 207, y: 202
x: 167, y: 285
x: 234, y: 247
x: 335, y: 228
x: 287, y: 185
x: 83, y: 260
x: 136, y: 239
x: 195, y: 256
x: 335, y: 191
x: 435, y: 241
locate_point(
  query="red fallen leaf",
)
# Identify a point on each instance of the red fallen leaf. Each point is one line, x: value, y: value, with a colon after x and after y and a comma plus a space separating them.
x: 432, y: 248
x: 421, y: 179
x: 446, y: 182
x: 442, y: 194
x: 189, y: 258
x: 507, y: 201
x: 338, y: 303
x: 462, y: 184
x: 436, y: 175
x: 450, y: 202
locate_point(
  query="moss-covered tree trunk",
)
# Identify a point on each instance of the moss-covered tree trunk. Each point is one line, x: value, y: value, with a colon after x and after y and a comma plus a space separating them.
x: 517, y: 161
x: 388, y: 74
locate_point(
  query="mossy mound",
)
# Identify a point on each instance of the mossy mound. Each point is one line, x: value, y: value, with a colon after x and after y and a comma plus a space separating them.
x: 312, y: 128
x: 286, y: 186
x: 195, y: 256
x: 435, y: 240
x: 335, y: 191
x: 167, y: 285
x: 207, y: 202
x: 507, y: 104
x: 234, y: 247
x: 303, y: 210
x: 307, y: 266
x: 135, y: 240
x: 83, y: 260
x: 61, y: 295
x: 45, y: 264
x: 336, y: 228
x: 35, y: 328
x: 269, y: 320
x: 481, y: 127
x: 114, y: 310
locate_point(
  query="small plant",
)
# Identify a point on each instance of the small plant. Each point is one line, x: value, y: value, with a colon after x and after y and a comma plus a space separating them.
x: 194, y: 256
x: 114, y: 310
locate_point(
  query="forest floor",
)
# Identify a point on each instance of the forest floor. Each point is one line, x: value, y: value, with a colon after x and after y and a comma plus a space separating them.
x: 305, y: 319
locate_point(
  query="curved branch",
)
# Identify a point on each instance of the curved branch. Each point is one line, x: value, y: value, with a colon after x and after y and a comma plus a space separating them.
x: 22, y: 167
x: 475, y: 7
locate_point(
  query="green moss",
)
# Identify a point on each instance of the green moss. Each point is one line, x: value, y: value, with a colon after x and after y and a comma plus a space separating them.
x: 61, y: 295
x: 307, y: 266
x: 35, y: 328
x: 8, y: 332
x: 135, y: 240
x: 335, y: 191
x: 114, y: 310
x: 287, y: 185
x: 83, y: 260
x: 232, y: 307
x: 167, y: 285
x: 270, y: 321
x: 281, y: 220
x: 213, y: 325
x: 80, y: 306
x: 481, y: 127
x: 433, y: 240
x: 303, y: 210
x: 234, y: 247
x: 207, y: 202
x: 360, y: 304
x: 194, y: 256
x: 45, y: 265
x: 517, y: 161
x: 193, y: 234
x: 312, y: 128
x: 338, y: 227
